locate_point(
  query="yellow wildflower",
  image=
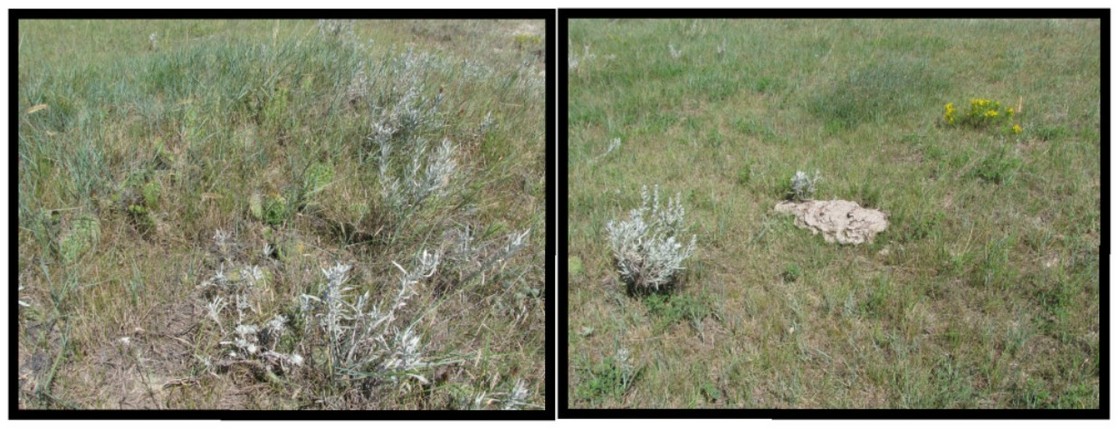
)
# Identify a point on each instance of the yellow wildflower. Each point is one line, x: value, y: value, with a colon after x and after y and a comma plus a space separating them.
x: 949, y: 113
x: 991, y: 113
x: 1016, y: 128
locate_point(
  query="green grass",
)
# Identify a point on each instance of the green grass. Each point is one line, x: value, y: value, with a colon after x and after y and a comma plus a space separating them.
x: 982, y: 293
x: 132, y: 154
x: 609, y: 379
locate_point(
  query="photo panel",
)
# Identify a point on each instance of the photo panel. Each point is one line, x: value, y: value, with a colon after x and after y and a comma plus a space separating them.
x: 834, y: 213
x: 298, y: 214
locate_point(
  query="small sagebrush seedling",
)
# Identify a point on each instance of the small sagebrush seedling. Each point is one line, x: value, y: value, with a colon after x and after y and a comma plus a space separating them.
x: 648, y: 254
x: 803, y: 186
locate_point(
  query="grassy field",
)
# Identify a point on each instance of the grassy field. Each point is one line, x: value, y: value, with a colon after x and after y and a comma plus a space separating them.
x: 281, y: 214
x: 982, y: 293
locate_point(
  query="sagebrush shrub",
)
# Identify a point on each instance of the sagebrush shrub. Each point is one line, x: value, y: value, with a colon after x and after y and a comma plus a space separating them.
x: 362, y: 338
x: 359, y: 339
x: 233, y: 297
x: 803, y: 186
x: 427, y: 175
x: 648, y: 253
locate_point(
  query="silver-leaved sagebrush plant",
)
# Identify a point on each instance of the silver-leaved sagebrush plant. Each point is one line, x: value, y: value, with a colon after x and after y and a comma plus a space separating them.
x: 231, y: 297
x: 803, y: 186
x: 362, y: 339
x: 428, y: 174
x: 646, y: 247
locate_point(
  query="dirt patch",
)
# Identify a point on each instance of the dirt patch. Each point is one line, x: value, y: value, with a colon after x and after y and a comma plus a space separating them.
x: 840, y: 221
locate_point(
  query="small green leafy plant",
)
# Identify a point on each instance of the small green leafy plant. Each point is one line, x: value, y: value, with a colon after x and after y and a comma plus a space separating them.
x: 792, y: 272
x: 141, y: 216
x: 611, y: 378
x: 276, y: 209
x: 151, y: 192
x: 671, y: 309
x: 83, y: 235
x: 527, y: 41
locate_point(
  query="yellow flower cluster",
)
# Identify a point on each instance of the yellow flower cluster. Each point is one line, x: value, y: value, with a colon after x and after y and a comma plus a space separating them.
x: 981, y: 113
x: 989, y: 108
x: 949, y: 113
x: 980, y: 103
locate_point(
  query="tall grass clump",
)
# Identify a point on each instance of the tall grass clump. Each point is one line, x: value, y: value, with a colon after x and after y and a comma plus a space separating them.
x: 645, y: 246
x: 878, y: 91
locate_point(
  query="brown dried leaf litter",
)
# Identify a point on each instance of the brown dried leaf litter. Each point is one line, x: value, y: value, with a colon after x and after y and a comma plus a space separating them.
x: 840, y: 221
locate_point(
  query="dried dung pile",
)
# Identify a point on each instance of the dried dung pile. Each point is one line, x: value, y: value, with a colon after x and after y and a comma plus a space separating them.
x: 843, y: 221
